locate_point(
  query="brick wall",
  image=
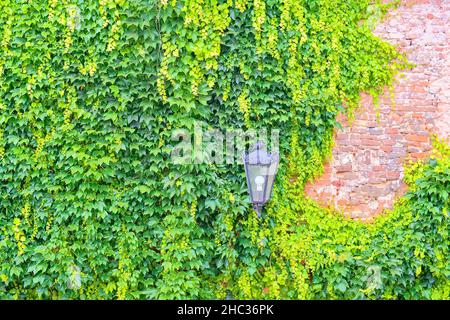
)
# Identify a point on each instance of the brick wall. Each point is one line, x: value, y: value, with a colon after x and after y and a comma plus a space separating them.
x: 365, y: 174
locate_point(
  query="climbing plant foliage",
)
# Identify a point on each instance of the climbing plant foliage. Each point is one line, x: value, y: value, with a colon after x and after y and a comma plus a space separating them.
x: 91, y: 206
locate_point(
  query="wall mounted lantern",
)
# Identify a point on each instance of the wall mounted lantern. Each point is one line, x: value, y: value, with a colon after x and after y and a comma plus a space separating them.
x: 260, y: 169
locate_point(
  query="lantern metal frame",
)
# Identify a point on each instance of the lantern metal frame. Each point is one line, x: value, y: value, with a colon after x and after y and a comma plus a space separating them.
x: 259, y: 159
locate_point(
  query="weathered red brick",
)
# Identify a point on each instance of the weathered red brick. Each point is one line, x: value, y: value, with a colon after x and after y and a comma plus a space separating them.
x: 344, y: 168
x: 417, y: 138
x: 370, y: 142
x: 392, y: 175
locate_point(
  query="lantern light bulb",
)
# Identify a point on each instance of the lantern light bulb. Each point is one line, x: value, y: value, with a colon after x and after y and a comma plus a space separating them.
x: 259, y: 180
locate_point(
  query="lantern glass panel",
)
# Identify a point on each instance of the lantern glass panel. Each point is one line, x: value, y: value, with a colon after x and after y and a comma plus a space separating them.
x: 260, y: 169
x: 271, y: 173
x: 257, y: 180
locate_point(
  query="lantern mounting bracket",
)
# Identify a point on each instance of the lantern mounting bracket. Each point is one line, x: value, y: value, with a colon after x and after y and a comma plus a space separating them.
x: 258, y: 208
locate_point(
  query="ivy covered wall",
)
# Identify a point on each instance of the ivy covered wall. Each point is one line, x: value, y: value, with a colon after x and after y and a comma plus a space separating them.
x: 91, y: 205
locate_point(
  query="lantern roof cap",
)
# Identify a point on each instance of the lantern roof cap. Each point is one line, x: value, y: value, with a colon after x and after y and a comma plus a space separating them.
x: 259, y: 155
